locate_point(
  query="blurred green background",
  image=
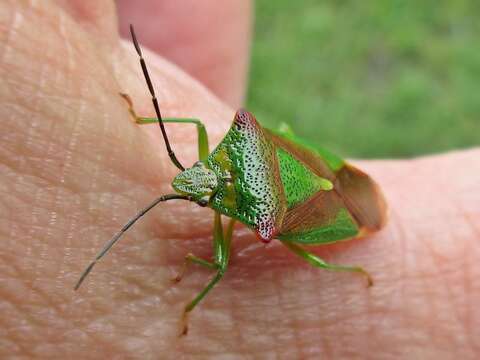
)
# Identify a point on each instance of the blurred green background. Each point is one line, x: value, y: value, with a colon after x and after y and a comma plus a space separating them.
x: 369, y: 78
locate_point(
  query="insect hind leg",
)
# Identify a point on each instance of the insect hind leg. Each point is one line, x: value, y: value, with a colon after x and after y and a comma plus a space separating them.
x: 318, y: 262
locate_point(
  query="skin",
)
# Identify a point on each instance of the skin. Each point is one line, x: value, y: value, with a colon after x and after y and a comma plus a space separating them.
x: 74, y: 168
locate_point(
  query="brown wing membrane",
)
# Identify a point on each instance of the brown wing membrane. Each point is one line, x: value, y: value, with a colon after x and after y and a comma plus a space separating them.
x: 362, y: 197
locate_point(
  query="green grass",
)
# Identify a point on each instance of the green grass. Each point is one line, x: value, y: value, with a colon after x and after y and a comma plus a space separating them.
x: 370, y: 78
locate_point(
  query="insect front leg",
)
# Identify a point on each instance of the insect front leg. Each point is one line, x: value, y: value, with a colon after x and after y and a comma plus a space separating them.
x: 316, y: 261
x: 221, y: 243
x: 203, y: 149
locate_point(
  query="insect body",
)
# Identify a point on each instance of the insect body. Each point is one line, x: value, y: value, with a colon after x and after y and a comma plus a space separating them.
x: 278, y: 185
x: 282, y: 189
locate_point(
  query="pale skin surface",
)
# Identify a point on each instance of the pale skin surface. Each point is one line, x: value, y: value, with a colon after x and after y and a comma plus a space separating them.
x: 74, y: 168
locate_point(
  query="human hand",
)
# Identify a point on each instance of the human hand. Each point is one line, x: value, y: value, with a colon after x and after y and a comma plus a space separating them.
x: 75, y: 168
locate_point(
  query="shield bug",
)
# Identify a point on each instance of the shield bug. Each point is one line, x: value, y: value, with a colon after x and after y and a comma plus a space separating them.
x: 276, y: 184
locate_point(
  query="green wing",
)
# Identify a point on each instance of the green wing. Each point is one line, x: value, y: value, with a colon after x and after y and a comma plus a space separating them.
x: 354, y: 205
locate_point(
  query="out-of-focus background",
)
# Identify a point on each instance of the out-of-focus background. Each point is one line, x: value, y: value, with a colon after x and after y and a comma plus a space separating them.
x: 369, y: 78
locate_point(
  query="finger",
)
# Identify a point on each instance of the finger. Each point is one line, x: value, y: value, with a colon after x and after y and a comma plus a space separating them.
x: 208, y: 39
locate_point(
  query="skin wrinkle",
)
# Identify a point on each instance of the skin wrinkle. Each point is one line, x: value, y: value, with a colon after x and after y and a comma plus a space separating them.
x: 468, y: 280
x: 402, y: 269
x: 63, y: 33
x: 134, y: 181
x: 67, y: 160
x: 125, y: 200
x: 297, y: 328
x: 234, y: 318
x: 446, y: 286
x: 10, y: 30
x: 433, y: 309
x: 276, y: 284
x: 29, y: 319
x: 440, y: 260
x: 97, y: 338
x: 244, y: 342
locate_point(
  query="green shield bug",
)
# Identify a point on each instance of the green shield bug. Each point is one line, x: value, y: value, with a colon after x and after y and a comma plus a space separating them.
x: 276, y: 184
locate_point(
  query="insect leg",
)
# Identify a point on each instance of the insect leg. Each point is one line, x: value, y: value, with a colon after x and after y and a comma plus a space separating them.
x: 316, y: 261
x: 190, y: 258
x: 203, y: 149
x: 199, y: 261
x: 225, y: 250
x: 222, y: 254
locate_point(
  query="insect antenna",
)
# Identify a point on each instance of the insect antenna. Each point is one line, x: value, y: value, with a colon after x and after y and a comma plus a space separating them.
x: 171, y: 154
x: 125, y: 227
